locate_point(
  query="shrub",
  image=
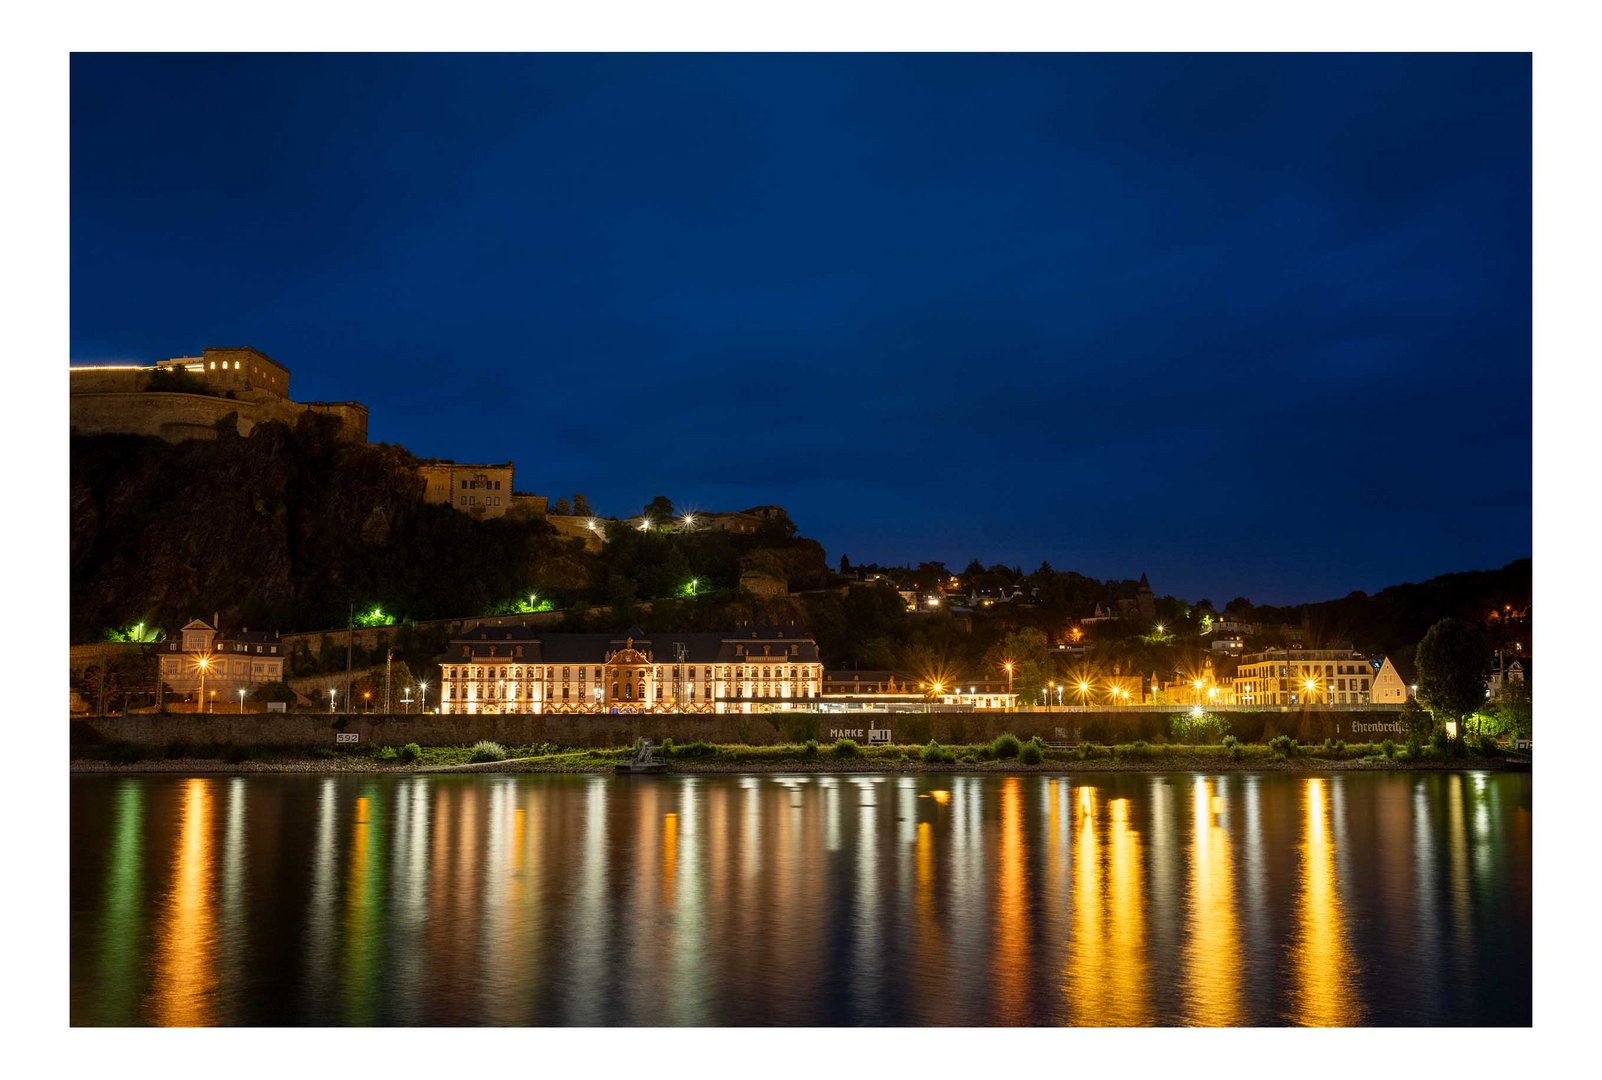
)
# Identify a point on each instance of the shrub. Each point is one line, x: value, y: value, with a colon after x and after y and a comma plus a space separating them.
x: 932, y: 753
x: 1006, y: 746
x: 667, y: 746
x: 1229, y: 741
x: 1415, y: 748
x: 847, y: 748
x: 1404, y: 754
x: 1235, y: 752
x: 411, y: 752
x: 1434, y: 753
x: 1388, y: 747
x: 1488, y: 746
x: 969, y: 759
x: 689, y: 750
x: 484, y: 750
x: 1340, y: 746
x: 1283, y: 746
x: 811, y: 748
x: 1031, y: 753
x: 1199, y: 727
x: 387, y: 753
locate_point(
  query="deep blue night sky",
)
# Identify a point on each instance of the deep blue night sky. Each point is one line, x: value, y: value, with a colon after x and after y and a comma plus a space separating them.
x: 1255, y: 325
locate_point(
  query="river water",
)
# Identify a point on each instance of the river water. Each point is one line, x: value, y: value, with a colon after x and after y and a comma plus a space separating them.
x: 1094, y: 899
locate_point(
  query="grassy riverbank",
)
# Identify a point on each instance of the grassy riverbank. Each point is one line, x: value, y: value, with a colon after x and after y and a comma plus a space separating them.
x: 1005, y: 754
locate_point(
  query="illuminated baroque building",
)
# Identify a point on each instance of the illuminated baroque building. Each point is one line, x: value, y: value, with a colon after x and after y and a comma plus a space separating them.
x: 513, y: 669
x: 224, y: 663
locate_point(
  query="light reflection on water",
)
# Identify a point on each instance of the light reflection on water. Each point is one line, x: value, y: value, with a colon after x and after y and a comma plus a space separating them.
x: 1105, y: 900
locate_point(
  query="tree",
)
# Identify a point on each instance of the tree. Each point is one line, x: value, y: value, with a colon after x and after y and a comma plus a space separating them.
x: 1030, y: 655
x: 561, y: 506
x: 1453, y: 662
x: 581, y: 505
x: 1511, y: 711
x: 845, y: 565
x: 659, y: 509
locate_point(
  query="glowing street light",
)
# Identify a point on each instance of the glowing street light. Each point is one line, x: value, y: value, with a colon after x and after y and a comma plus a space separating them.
x: 645, y: 524
x: 367, y: 699
x: 332, y: 693
x: 689, y: 521
x: 203, y: 665
x: 241, y: 700
x: 422, y: 687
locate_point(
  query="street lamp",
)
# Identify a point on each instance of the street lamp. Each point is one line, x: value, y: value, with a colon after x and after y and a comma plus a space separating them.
x: 241, y: 700
x: 1008, y: 665
x: 422, y: 685
x: 367, y: 697
x: 203, y: 665
x: 332, y: 693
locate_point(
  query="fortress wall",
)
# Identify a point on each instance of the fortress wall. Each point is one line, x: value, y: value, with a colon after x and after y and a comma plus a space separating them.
x: 174, y: 417
x: 107, y: 380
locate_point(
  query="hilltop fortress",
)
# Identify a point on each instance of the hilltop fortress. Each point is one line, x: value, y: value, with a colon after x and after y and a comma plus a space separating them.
x: 188, y: 396
x: 185, y: 397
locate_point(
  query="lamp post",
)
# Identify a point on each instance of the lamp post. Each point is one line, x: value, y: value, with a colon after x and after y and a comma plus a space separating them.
x: 203, y: 664
x: 241, y: 701
x: 332, y: 694
x: 1008, y: 665
x: 422, y: 686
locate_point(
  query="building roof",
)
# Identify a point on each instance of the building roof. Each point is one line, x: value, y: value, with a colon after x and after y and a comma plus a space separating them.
x: 730, y: 646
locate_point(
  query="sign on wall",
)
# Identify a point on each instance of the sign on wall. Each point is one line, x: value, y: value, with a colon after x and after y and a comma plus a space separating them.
x: 347, y: 736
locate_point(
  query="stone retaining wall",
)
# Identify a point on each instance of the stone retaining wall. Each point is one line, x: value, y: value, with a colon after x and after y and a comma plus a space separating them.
x: 319, y: 729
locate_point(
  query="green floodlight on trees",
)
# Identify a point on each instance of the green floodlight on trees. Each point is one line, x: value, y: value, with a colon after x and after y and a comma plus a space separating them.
x: 138, y: 633
x: 375, y: 617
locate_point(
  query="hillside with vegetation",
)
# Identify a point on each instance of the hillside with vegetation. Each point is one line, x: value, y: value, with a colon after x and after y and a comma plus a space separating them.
x: 290, y: 528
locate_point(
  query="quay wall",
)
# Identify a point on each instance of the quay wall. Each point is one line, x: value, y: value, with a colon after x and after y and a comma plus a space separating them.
x: 601, y: 730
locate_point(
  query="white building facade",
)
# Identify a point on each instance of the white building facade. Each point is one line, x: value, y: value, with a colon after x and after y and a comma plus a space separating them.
x: 512, y: 669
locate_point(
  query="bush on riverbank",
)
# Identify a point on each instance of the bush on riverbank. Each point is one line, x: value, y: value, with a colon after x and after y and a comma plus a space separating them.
x: 485, y: 750
x: 1005, y: 746
x: 1032, y: 752
x: 847, y: 748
